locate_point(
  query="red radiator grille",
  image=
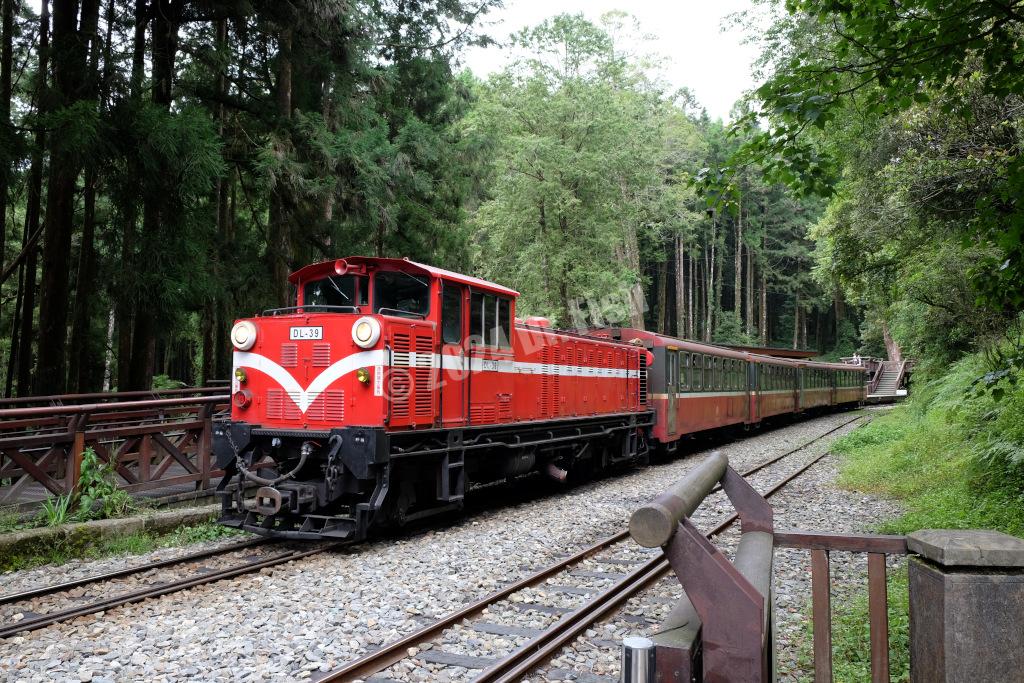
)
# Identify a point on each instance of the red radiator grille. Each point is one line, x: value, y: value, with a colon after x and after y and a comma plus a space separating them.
x: 281, y: 406
x: 289, y: 355
x: 412, y: 367
x: 329, y: 406
x: 321, y: 355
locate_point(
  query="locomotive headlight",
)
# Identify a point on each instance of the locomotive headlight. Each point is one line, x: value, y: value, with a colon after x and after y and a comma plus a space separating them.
x: 243, y: 335
x: 240, y: 375
x: 363, y: 375
x: 366, y: 332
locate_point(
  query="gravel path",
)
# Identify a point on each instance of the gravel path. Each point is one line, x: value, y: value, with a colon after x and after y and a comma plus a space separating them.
x: 297, y: 620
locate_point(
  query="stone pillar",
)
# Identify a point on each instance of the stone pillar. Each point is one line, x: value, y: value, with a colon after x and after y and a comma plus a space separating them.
x: 966, y: 606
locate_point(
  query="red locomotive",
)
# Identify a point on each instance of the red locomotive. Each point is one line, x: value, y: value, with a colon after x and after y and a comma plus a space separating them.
x: 392, y: 386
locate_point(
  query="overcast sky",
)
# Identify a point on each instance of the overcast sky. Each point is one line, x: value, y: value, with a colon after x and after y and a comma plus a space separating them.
x: 715, y: 65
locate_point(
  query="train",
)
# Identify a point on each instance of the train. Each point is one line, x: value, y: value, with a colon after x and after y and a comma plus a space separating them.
x: 391, y: 388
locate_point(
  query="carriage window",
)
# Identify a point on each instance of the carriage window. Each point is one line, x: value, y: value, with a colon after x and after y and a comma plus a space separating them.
x: 504, y: 322
x: 684, y: 371
x: 451, y: 314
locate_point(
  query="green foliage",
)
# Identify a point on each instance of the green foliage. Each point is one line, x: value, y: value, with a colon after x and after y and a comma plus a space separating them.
x: 908, y: 114
x: 135, y: 543
x: 56, y: 510
x: 165, y: 382
x: 952, y: 457
x: 98, y: 496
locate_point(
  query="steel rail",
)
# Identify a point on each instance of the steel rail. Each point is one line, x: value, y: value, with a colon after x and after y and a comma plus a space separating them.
x: 128, y: 571
x: 103, y: 604
x: 396, y: 651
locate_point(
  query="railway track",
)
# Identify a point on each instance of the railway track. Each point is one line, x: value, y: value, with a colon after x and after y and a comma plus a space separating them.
x: 200, y: 577
x: 369, y: 664
x: 538, y: 646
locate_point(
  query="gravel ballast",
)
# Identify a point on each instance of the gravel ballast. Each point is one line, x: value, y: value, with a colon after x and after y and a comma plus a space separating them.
x: 298, y: 620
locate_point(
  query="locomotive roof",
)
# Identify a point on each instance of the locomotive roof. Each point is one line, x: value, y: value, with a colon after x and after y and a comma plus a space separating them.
x: 326, y: 267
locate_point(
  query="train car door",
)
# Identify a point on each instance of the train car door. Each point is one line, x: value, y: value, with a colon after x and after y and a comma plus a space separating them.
x: 453, y: 375
x: 491, y: 365
x: 671, y: 387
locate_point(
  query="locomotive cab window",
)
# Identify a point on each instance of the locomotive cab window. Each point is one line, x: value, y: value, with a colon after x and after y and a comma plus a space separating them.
x: 490, y: 319
x: 332, y: 291
x: 451, y: 313
x: 402, y: 294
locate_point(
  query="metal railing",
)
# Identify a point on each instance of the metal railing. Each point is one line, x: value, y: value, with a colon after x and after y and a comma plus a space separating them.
x: 722, y: 627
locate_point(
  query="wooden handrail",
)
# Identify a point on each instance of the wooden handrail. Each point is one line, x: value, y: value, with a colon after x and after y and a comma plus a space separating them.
x: 112, y: 396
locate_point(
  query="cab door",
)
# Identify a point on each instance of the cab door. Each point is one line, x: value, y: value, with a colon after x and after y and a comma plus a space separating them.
x: 454, y: 370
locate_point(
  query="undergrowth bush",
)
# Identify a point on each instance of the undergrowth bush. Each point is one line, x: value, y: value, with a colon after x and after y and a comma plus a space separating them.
x: 953, y: 455
x: 97, y: 495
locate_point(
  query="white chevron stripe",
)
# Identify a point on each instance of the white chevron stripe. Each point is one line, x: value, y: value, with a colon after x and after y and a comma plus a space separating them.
x: 330, y: 375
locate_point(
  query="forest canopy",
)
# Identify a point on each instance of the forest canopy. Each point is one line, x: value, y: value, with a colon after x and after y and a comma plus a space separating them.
x: 166, y: 164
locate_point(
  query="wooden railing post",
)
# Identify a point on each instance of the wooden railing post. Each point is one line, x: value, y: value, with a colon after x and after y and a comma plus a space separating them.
x: 73, y: 472
x: 204, y: 450
x: 878, y: 617
x: 821, y: 609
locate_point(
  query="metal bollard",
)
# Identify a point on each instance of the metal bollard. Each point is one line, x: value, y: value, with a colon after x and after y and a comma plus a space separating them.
x: 637, y: 660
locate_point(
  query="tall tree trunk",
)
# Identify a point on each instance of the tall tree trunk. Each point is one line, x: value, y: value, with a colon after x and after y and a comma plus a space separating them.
x: 689, y: 315
x: 6, y: 57
x: 709, y: 288
x: 803, y: 330
x: 126, y: 300
x: 164, y: 52
x: 33, y: 208
x: 278, y: 228
x: 892, y: 348
x: 718, y: 257
x: 78, y: 370
x: 737, y: 304
x: 680, y: 283
x: 662, y: 296
x: 68, y: 68
x: 750, y: 292
x: 764, y: 308
x: 796, y: 323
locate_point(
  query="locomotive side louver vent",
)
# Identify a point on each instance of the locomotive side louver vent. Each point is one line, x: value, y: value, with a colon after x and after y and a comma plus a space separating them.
x: 551, y: 381
x: 321, y: 355
x: 421, y: 376
x: 482, y: 413
x: 412, y: 365
x: 289, y: 355
x: 401, y: 382
x: 643, y: 379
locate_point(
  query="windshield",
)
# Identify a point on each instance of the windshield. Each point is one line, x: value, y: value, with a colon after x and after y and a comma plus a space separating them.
x: 335, y: 290
x: 399, y: 293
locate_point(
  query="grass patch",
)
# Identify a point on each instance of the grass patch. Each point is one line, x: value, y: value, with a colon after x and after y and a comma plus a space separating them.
x: 954, y: 459
x: 136, y: 543
x: 851, y: 636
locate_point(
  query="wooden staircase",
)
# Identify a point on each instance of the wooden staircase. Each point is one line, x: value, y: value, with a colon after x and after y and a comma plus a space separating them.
x: 887, y: 379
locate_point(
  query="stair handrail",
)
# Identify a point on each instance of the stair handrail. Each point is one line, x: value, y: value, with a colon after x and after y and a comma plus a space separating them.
x: 873, y: 384
x: 900, y: 374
